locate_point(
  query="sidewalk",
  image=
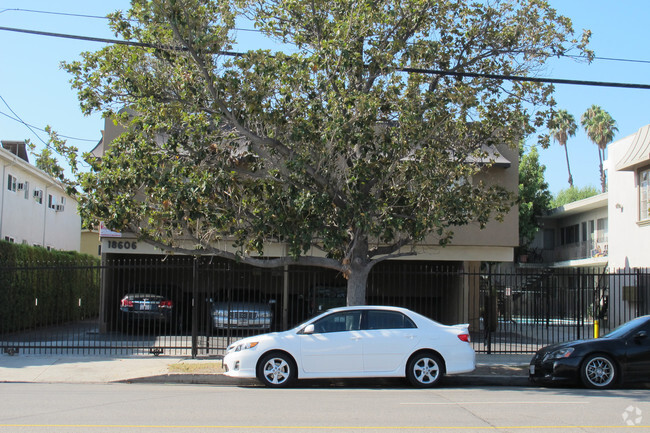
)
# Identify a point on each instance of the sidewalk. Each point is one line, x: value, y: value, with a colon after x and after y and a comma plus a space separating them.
x: 497, y: 370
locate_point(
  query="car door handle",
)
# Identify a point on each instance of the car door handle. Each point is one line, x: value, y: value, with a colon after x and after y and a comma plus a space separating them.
x: 355, y: 338
x: 409, y: 337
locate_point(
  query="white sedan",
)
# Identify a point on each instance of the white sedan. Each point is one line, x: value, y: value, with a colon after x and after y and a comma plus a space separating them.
x: 360, y: 341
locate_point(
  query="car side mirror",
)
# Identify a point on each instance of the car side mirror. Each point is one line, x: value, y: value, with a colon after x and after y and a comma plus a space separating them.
x: 309, y: 329
x: 641, y: 335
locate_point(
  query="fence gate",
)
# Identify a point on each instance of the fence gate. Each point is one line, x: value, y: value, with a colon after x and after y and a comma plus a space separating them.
x: 524, y: 310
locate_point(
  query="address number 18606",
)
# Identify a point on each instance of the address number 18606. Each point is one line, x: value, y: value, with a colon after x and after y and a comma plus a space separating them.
x: 122, y: 245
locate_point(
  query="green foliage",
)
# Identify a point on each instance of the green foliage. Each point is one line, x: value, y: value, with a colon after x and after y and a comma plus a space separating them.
x: 563, y: 126
x: 534, y: 196
x: 40, y: 287
x: 334, y: 147
x: 600, y: 127
x: 570, y: 195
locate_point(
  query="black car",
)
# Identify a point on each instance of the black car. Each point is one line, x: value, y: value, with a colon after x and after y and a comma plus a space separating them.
x: 623, y: 355
x: 147, y: 308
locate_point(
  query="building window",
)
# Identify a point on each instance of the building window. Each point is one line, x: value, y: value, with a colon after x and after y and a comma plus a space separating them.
x: 50, y: 201
x: 10, y: 239
x: 644, y: 194
x: 569, y: 235
x: 38, y: 196
x: 26, y: 187
x: 602, y: 230
x: 11, y: 183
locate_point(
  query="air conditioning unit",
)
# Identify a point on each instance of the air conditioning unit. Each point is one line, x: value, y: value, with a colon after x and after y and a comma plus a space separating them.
x: 58, y: 208
x: 21, y: 186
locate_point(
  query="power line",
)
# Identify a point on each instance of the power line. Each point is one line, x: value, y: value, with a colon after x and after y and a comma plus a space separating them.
x: 611, y: 59
x: 22, y: 121
x: 573, y: 56
x: 407, y: 70
x: 43, y: 130
x: 53, y: 13
x: 528, y: 79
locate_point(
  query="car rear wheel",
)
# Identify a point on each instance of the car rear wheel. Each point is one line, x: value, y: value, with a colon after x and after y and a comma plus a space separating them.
x: 599, y: 371
x: 277, y: 370
x: 425, y: 370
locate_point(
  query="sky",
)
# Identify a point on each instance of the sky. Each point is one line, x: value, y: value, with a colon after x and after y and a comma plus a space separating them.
x: 35, y: 90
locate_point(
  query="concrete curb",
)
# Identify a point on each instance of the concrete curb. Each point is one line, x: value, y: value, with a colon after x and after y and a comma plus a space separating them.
x: 483, y: 376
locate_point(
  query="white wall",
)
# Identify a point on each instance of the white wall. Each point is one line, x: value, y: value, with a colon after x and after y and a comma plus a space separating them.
x: 629, y: 242
x: 24, y: 219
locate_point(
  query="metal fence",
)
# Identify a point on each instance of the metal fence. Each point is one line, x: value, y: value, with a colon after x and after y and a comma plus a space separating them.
x: 197, y: 307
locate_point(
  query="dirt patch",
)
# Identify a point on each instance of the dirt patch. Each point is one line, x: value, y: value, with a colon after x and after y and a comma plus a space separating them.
x: 196, y: 367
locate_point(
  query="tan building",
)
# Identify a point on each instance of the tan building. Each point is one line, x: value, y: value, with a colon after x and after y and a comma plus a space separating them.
x: 456, y: 299
x: 470, y: 245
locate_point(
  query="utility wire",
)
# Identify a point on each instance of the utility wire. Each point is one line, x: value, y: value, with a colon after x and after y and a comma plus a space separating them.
x: 22, y: 121
x: 43, y: 130
x: 407, y: 70
x: 573, y: 56
x: 52, y: 13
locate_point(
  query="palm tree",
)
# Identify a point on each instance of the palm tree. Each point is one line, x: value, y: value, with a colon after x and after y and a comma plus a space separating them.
x: 600, y: 127
x: 564, y: 126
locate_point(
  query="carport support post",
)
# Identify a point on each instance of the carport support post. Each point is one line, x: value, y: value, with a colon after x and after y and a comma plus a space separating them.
x: 195, y: 297
x: 285, y: 298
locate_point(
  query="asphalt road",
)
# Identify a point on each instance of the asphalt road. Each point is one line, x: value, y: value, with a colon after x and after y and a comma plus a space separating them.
x: 38, y: 407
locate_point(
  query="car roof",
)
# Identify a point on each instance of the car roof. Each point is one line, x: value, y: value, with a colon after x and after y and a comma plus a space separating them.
x: 370, y: 307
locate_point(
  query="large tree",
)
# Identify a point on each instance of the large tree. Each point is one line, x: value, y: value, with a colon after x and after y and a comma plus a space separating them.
x: 349, y: 149
x: 563, y: 126
x: 570, y: 195
x: 534, y: 196
x: 600, y: 128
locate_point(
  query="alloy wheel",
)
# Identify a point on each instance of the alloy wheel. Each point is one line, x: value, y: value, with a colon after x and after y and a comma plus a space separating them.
x: 599, y: 372
x: 276, y: 371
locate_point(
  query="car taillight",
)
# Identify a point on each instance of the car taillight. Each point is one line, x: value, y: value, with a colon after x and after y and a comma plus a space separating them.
x: 126, y: 303
x: 464, y: 337
x: 165, y: 304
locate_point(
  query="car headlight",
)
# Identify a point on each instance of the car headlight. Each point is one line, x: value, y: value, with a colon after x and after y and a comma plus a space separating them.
x: 238, y: 347
x: 559, y: 354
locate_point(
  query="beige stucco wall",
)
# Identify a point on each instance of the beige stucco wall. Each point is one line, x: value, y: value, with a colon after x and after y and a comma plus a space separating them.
x: 497, y: 234
x: 90, y: 243
x: 496, y: 242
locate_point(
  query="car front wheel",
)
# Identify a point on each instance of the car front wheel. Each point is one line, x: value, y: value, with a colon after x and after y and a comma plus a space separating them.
x: 598, y: 371
x: 425, y: 370
x: 277, y: 370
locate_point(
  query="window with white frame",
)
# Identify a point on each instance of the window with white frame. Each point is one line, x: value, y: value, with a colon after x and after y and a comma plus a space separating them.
x: 26, y: 188
x: 644, y: 194
x: 51, y: 203
x: 11, y: 183
x: 10, y: 239
x: 38, y: 196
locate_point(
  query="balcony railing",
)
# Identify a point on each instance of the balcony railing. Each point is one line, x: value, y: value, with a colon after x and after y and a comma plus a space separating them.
x: 581, y: 250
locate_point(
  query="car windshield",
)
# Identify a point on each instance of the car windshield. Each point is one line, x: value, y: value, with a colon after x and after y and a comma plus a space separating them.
x: 308, y: 321
x: 626, y: 327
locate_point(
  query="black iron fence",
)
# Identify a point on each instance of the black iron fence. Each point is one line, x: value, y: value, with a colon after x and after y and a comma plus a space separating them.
x: 182, y: 306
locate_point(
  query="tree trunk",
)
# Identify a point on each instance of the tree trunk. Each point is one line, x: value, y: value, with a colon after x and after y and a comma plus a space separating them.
x: 566, y: 152
x: 358, y: 269
x: 603, y: 182
x: 357, y: 281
